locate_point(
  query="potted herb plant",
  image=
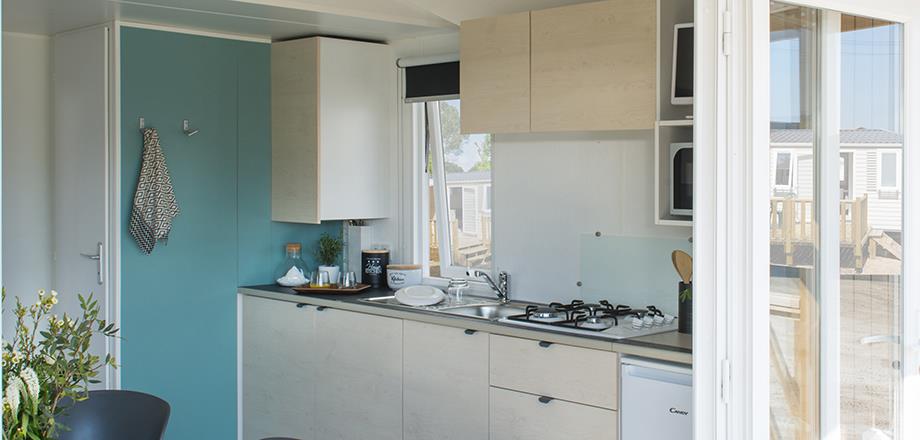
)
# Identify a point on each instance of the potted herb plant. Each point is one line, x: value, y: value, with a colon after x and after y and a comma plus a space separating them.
x: 328, y: 252
x: 47, y: 363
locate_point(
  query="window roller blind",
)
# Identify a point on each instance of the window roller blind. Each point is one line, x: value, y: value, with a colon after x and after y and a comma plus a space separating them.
x: 432, y: 82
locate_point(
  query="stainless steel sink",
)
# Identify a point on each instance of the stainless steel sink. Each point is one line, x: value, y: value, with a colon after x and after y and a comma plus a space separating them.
x: 471, y: 306
x: 491, y: 312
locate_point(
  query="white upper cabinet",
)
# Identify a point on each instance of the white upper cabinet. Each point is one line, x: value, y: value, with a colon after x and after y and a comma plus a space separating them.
x: 333, y: 129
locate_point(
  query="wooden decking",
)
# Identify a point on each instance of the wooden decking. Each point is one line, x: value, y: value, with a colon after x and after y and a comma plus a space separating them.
x: 792, y: 225
x: 869, y: 306
x: 467, y: 250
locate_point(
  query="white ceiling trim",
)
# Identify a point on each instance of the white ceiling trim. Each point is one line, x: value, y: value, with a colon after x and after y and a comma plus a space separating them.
x: 189, y: 31
x: 227, y: 14
x: 414, y: 16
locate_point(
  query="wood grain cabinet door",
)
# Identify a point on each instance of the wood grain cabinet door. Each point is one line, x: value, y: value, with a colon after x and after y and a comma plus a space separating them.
x: 593, y: 66
x: 358, y: 376
x: 523, y: 416
x: 495, y: 74
x: 277, y: 369
x: 446, y: 383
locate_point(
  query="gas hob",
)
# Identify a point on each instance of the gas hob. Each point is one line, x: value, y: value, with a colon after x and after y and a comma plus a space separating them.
x: 601, y: 319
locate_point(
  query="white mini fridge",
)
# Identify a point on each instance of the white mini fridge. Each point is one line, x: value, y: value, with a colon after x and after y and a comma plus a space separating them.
x: 656, y: 400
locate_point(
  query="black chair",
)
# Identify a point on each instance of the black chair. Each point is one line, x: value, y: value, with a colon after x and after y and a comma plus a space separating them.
x: 116, y: 415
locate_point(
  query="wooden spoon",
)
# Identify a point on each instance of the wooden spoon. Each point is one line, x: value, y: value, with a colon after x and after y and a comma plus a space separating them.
x: 683, y: 263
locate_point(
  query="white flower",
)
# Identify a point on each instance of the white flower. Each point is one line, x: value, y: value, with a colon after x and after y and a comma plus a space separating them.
x: 16, y: 357
x: 11, y: 394
x: 31, y: 380
x: 48, y: 359
x: 41, y: 293
x: 53, y: 293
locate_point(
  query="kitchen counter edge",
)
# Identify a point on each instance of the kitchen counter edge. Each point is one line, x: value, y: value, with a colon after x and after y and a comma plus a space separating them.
x: 672, y: 346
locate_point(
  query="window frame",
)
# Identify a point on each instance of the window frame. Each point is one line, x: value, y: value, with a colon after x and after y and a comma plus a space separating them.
x: 442, y: 206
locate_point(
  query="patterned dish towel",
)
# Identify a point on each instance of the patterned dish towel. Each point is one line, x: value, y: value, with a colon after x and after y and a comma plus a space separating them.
x: 154, y: 200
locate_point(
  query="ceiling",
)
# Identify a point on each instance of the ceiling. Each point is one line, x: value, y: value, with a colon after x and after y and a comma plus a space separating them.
x: 382, y: 20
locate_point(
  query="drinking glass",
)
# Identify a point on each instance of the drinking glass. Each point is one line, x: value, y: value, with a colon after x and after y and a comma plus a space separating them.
x: 349, y: 280
x: 320, y: 279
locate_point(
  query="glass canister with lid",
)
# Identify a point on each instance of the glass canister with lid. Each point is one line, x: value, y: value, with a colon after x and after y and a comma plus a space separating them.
x: 293, y: 270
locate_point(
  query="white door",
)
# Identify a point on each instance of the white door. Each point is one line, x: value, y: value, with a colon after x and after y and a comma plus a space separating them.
x: 824, y: 343
x: 82, y: 183
x: 839, y: 296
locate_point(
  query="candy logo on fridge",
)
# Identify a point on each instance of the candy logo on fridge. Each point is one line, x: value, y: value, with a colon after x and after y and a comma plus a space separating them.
x: 678, y: 411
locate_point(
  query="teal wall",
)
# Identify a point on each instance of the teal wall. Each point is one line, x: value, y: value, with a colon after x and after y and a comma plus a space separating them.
x: 178, y: 305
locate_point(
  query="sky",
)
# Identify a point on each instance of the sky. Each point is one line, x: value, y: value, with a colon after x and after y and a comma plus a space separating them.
x: 870, y: 78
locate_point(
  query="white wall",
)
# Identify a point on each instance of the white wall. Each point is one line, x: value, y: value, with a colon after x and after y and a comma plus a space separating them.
x: 395, y: 231
x: 551, y: 189
x: 27, y: 179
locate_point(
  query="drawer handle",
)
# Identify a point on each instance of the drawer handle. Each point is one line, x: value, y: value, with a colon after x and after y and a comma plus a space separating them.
x: 545, y: 344
x: 545, y: 399
x: 470, y: 331
x: 321, y: 308
x: 301, y: 305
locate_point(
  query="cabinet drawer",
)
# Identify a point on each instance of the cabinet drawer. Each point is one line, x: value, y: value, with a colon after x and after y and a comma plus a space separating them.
x: 575, y: 374
x: 520, y: 416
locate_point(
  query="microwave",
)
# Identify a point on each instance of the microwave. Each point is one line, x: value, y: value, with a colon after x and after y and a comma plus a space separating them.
x: 681, y: 176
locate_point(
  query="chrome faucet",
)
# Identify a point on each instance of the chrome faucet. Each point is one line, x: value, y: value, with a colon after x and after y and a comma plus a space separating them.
x: 502, y: 289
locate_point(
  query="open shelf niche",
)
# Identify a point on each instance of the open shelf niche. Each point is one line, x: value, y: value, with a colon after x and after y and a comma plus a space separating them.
x: 674, y: 122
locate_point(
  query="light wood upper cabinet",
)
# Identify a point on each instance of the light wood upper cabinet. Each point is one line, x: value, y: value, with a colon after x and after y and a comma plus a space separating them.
x: 445, y: 383
x: 277, y: 369
x: 586, y: 67
x: 593, y: 66
x: 333, y: 129
x: 495, y: 74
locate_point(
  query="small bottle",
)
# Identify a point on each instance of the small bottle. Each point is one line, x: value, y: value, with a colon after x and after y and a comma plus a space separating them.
x: 292, y: 271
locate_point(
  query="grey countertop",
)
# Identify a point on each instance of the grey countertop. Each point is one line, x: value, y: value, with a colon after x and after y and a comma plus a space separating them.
x: 670, y: 346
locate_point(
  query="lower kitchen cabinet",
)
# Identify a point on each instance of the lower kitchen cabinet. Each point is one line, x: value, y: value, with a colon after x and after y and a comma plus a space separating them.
x: 445, y: 383
x: 358, y: 392
x: 277, y: 369
x: 562, y: 371
x: 523, y: 416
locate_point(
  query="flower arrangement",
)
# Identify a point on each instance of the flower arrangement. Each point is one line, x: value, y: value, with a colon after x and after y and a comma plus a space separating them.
x: 47, y: 363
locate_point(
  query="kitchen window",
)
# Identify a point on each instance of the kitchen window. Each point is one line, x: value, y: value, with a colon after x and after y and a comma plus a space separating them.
x: 458, y: 182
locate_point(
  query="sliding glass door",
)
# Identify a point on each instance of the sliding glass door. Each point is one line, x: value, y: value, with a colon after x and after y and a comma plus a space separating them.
x: 837, y: 225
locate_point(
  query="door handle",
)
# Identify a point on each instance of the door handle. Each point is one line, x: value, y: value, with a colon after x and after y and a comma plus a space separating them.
x: 98, y: 259
x: 878, y: 339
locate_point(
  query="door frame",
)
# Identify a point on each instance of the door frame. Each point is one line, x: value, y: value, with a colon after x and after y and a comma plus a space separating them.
x: 731, y: 253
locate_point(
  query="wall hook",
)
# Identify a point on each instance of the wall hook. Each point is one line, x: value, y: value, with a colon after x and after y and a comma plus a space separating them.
x: 187, y: 130
x: 140, y: 122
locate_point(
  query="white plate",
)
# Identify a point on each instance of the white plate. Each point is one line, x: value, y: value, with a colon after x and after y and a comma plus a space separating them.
x: 419, y: 295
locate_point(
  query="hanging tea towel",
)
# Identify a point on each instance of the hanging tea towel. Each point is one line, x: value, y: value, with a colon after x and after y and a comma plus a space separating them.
x: 154, y: 200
